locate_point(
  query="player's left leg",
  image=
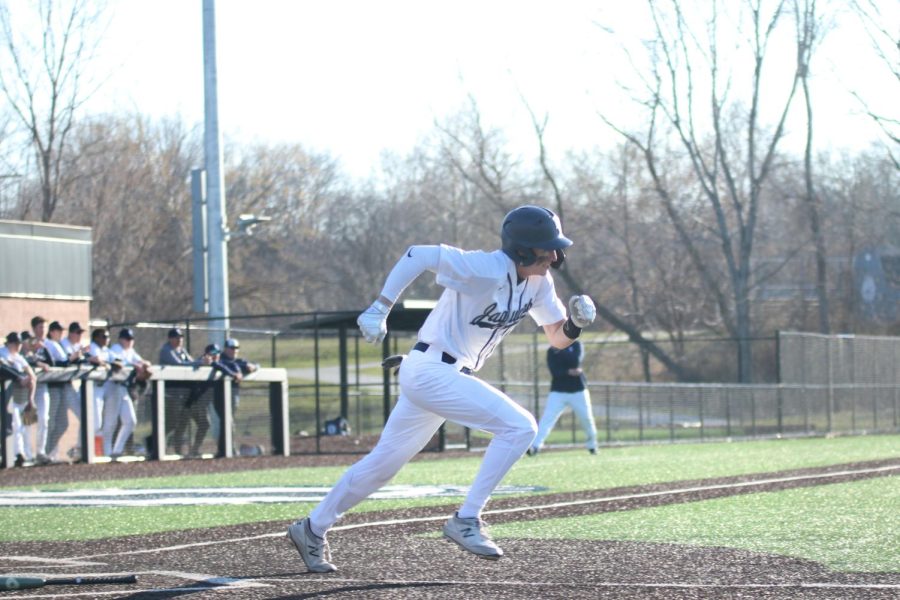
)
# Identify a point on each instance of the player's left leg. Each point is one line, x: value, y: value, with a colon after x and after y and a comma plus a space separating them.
x: 581, y: 406
x: 21, y: 437
x: 42, y: 400
x: 112, y: 400
x: 555, y: 407
x: 127, y: 421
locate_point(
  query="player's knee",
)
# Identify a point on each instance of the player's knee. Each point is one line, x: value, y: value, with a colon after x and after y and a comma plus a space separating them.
x: 524, y: 432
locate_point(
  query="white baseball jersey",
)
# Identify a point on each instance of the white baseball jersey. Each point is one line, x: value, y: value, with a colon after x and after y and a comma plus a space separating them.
x: 482, y: 302
x: 55, y: 350
x: 101, y: 352
x: 16, y: 360
x: 69, y: 347
x: 128, y: 357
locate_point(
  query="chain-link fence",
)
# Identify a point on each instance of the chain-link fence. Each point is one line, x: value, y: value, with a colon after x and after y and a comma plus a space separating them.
x: 340, y: 397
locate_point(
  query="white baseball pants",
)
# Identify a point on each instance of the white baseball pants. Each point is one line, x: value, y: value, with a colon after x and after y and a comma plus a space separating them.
x: 22, y: 434
x: 556, y: 404
x: 42, y: 401
x: 117, y: 407
x: 431, y: 392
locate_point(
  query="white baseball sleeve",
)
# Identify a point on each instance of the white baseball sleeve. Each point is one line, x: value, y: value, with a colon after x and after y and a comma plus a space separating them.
x: 415, y: 261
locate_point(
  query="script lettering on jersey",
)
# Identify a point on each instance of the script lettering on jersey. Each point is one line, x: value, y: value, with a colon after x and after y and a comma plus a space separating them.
x: 492, y: 318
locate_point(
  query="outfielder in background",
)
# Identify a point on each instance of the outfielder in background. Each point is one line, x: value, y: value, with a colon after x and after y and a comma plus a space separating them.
x: 567, y: 388
x: 486, y: 295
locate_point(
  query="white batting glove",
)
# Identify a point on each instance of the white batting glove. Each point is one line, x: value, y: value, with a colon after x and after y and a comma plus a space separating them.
x: 582, y: 311
x: 373, y: 322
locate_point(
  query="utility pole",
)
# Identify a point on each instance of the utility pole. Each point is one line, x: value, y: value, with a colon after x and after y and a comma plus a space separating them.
x: 215, y: 185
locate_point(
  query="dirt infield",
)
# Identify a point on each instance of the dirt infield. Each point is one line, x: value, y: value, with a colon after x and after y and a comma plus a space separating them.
x: 394, y: 561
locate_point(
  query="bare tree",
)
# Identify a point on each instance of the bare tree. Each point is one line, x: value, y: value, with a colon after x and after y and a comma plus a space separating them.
x: 43, y: 82
x: 632, y: 329
x: 886, y: 45
x: 731, y: 175
x: 128, y: 182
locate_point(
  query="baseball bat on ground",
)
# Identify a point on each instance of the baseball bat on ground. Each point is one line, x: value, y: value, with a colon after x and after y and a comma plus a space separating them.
x: 24, y: 583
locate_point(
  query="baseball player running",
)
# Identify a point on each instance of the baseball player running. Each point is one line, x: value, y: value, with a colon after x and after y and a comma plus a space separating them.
x: 486, y: 295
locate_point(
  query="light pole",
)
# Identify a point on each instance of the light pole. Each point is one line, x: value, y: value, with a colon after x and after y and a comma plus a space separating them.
x: 210, y: 230
x: 215, y: 185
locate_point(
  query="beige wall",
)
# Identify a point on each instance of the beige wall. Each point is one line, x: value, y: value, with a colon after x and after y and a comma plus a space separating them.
x: 16, y: 313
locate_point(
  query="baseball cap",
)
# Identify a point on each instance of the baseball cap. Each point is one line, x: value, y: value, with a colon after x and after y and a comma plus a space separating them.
x: 176, y: 332
x: 75, y: 327
x: 232, y: 343
x: 56, y: 326
x: 127, y: 334
x: 213, y: 349
x: 13, y: 338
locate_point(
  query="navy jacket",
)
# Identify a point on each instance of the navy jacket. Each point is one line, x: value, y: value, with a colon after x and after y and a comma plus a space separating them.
x: 560, y: 361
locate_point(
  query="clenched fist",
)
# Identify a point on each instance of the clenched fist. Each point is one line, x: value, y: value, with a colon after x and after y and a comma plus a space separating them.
x: 582, y: 311
x: 373, y: 322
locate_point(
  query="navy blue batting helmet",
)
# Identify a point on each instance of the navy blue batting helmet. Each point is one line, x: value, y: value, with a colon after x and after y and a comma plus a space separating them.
x: 529, y: 227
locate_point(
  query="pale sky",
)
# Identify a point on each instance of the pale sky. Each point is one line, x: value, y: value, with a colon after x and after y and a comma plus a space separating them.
x: 354, y: 77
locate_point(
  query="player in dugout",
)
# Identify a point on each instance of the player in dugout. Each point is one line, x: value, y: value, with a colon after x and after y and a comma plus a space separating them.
x: 486, y: 295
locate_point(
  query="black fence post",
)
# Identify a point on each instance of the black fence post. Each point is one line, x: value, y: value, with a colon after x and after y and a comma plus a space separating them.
x: 671, y: 417
x: 386, y: 378
x: 6, y: 425
x: 608, y: 424
x: 728, y: 412
x: 702, y: 416
x: 318, y: 391
x: 640, y: 405
x: 342, y: 367
x: 88, y: 435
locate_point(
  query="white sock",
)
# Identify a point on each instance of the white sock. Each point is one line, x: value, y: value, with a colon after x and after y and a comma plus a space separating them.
x: 315, y: 530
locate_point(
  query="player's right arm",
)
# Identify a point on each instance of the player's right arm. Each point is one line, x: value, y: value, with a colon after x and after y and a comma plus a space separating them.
x: 415, y: 261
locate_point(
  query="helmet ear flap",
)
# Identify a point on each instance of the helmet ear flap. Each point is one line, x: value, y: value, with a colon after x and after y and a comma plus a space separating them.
x: 560, y: 258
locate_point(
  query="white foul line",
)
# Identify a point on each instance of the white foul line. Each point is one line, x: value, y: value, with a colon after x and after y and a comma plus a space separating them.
x: 598, y: 584
x: 499, y: 511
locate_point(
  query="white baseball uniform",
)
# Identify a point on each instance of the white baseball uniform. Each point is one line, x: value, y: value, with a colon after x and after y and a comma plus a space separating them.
x: 72, y: 391
x: 118, y: 407
x: 100, y: 391
x: 21, y: 434
x: 483, y: 300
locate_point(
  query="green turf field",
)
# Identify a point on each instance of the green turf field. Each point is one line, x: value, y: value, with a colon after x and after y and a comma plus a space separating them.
x: 847, y: 526
x: 737, y: 522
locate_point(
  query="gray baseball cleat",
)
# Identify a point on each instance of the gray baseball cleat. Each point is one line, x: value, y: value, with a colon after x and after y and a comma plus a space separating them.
x: 472, y: 535
x: 313, y: 550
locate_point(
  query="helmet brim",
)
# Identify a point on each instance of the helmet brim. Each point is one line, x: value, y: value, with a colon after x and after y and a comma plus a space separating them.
x: 558, y: 243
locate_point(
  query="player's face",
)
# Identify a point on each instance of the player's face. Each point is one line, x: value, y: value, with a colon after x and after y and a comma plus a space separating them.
x: 541, y: 265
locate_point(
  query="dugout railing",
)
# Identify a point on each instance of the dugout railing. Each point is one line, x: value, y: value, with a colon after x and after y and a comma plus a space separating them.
x: 156, y: 412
